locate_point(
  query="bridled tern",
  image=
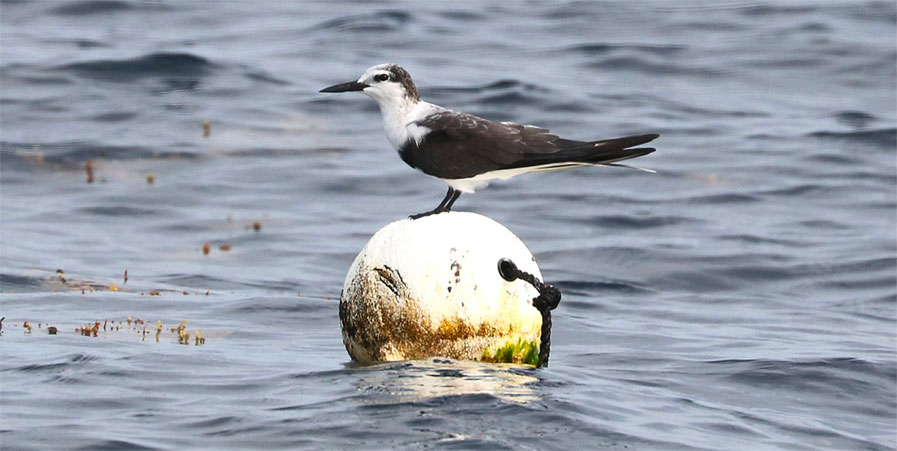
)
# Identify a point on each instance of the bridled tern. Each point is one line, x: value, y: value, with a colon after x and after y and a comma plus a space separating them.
x: 466, y: 151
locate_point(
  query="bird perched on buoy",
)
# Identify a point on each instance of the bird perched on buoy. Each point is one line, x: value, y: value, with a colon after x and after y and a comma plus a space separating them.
x: 467, y: 152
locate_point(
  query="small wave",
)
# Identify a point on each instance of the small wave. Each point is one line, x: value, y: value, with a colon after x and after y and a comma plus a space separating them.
x: 65, y: 379
x: 461, y: 15
x: 89, y: 44
x: 505, y: 84
x: 604, y: 48
x: 834, y: 159
x: 115, y: 116
x: 853, y: 118
x: 823, y: 224
x: 755, y: 273
x: 16, y: 282
x: 875, y: 11
x: 267, y: 305
x: 40, y: 368
x: 119, y: 210
x: 724, y: 198
x: 775, y: 10
x: 55, y: 367
x: 265, y: 77
x: 84, y: 8
x: 196, y: 281
x: 42, y: 79
x: 79, y: 357
x: 749, y: 238
x: 379, y: 21
x: 802, y: 189
x: 214, y: 423
x: 114, y: 445
x: 75, y: 153
x: 600, y: 286
x: 836, y: 375
x: 632, y: 222
x: 628, y: 63
x: 152, y: 65
x: 865, y: 267
x: 506, y: 98
x: 786, y: 63
x: 884, y: 137
x: 815, y: 27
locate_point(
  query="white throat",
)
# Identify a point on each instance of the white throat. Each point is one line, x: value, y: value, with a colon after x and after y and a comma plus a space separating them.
x: 399, y: 116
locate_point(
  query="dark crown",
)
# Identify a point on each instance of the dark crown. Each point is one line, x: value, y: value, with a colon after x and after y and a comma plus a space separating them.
x: 402, y: 76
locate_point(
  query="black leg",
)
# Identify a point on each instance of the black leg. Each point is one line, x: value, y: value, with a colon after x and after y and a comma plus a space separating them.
x: 448, y: 195
x: 446, y: 205
x: 455, y: 196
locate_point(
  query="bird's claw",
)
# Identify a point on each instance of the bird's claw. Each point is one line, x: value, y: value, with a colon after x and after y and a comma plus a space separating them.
x: 431, y: 212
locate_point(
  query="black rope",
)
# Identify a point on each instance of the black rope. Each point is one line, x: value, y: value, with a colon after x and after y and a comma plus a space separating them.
x: 548, y: 299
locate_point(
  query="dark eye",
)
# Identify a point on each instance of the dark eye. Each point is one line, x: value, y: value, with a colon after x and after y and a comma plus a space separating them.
x: 381, y: 77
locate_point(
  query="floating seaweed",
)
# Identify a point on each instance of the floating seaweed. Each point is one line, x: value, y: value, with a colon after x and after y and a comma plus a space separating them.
x: 89, y: 331
x: 184, y: 336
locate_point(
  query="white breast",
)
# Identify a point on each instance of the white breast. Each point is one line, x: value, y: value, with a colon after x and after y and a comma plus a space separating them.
x: 400, y: 121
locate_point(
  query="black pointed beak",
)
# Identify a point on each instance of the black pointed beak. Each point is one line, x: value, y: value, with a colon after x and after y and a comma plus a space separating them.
x: 345, y: 87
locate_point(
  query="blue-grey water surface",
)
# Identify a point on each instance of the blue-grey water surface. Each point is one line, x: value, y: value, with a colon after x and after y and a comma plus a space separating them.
x: 744, y: 297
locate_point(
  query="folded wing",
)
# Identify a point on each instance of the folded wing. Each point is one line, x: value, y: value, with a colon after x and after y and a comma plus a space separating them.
x: 461, y: 145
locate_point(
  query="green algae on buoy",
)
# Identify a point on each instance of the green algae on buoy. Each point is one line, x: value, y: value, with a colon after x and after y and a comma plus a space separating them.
x: 430, y: 288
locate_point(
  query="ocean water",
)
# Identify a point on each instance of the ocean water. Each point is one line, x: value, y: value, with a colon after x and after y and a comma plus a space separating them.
x: 743, y: 297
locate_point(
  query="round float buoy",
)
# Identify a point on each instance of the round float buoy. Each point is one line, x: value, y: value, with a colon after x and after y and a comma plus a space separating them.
x: 431, y: 287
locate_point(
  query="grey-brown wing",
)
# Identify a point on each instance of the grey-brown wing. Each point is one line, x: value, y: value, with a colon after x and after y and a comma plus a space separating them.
x: 461, y: 145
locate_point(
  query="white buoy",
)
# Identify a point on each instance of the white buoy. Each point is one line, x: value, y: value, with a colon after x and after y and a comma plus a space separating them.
x: 431, y: 287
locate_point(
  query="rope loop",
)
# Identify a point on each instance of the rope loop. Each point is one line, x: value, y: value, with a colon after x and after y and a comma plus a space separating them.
x: 548, y: 299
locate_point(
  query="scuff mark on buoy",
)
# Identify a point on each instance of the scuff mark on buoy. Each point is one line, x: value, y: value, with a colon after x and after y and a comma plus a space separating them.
x: 391, y: 278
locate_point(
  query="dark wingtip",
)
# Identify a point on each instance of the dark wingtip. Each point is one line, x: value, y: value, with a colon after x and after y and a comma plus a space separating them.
x: 644, y: 138
x: 640, y: 151
x: 626, y: 142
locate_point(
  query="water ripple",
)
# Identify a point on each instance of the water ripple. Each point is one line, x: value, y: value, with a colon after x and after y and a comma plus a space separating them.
x: 185, y: 66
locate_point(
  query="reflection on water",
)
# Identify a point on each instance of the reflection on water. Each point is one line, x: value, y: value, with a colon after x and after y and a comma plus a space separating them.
x: 421, y: 380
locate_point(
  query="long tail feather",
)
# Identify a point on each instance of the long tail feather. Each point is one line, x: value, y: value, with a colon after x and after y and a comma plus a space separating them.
x: 595, y: 152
